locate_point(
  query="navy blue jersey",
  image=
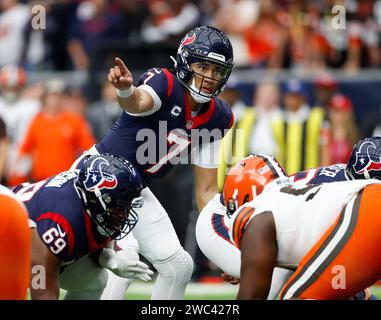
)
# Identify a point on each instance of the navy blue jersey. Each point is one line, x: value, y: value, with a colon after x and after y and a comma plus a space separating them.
x: 166, y: 133
x: 63, y: 225
x: 321, y: 175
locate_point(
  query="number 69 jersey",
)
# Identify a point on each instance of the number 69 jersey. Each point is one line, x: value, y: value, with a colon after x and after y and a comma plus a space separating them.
x: 301, y: 214
x: 61, y: 222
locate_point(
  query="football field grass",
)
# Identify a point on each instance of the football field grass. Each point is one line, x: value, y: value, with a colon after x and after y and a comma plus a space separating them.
x: 376, y: 290
x: 194, y: 291
x: 199, y: 291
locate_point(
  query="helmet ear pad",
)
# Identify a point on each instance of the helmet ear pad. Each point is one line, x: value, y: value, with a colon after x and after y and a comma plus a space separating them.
x: 183, y: 71
x: 185, y: 74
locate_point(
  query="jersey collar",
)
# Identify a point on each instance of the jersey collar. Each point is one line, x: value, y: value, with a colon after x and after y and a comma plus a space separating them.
x: 195, y: 122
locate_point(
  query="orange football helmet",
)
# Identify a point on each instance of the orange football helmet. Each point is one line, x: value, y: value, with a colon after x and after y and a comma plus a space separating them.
x: 248, y: 178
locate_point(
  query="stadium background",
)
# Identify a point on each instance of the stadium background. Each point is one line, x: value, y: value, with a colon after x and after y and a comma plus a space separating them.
x: 72, y: 52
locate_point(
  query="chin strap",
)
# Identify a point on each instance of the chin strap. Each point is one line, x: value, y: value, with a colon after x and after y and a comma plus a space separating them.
x: 366, y: 174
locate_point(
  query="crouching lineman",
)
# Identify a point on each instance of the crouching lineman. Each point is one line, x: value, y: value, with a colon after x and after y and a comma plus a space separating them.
x: 77, y: 214
x: 14, y: 247
x: 316, y: 230
x: 212, y: 230
x: 363, y: 163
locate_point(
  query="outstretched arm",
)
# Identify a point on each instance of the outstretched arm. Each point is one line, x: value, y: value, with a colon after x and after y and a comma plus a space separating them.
x: 130, y: 98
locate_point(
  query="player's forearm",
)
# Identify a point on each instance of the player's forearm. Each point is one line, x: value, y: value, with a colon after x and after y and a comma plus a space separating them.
x: 205, y: 185
x: 246, y: 293
x: 47, y: 287
x: 130, y: 98
x: 46, y: 284
x: 132, y: 103
x: 203, y: 197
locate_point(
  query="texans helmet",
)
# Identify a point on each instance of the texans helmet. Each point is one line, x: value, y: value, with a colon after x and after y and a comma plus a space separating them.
x: 209, y: 44
x: 110, y: 188
x: 365, y: 160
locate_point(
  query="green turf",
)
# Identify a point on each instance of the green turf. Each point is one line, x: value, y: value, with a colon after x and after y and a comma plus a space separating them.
x: 376, y: 290
x: 187, y: 297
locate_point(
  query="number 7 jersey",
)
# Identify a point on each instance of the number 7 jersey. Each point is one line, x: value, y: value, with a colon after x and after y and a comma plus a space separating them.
x: 301, y: 214
x: 156, y: 140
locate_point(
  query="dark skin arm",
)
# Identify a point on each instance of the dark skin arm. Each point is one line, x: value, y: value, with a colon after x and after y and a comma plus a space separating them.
x: 258, y: 257
x: 205, y: 185
x: 42, y: 256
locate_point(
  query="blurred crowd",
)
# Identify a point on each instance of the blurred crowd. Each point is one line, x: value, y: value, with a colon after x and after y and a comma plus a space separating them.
x: 45, y: 127
x: 265, y: 33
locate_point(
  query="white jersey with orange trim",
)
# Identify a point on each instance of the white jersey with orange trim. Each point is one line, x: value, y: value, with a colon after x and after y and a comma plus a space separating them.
x: 301, y: 213
x: 212, y: 235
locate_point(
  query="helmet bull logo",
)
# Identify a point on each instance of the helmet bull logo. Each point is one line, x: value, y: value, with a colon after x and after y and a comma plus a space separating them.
x: 97, y: 178
x: 366, y: 161
x: 188, y: 40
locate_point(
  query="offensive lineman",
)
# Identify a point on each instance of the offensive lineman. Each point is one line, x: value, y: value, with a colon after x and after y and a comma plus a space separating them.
x: 75, y: 214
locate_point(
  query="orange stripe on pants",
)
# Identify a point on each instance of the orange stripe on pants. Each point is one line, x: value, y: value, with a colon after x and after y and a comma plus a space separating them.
x: 14, y: 249
x: 358, y: 264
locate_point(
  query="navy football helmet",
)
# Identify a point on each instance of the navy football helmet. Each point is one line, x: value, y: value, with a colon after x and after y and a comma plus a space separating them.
x: 365, y: 160
x: 206, y: 44
x: 110, y: 188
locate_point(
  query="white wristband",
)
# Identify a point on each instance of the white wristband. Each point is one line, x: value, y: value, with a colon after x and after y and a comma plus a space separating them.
x: 125, y: 93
